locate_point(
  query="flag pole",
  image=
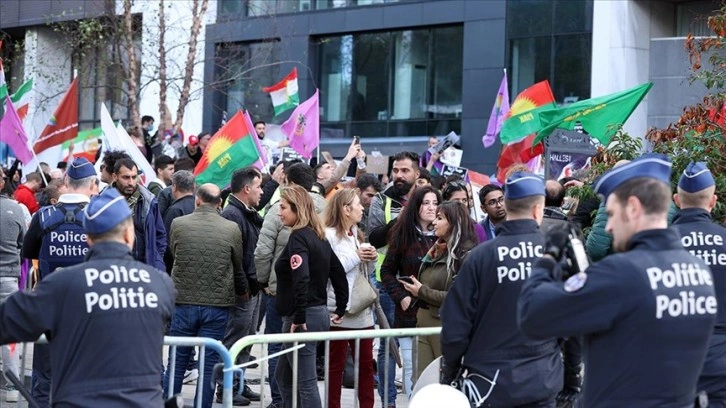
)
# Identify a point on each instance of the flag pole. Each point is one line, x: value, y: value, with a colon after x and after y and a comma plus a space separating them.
x: 42, y: 175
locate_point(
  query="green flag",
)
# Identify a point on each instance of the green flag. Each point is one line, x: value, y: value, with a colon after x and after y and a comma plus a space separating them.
x: 598, y: 116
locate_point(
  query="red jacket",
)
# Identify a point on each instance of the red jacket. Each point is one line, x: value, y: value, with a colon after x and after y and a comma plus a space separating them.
x: 24, y: 195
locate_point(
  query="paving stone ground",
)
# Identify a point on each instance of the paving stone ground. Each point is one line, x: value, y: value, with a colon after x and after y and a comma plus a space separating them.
x: 347, y: 399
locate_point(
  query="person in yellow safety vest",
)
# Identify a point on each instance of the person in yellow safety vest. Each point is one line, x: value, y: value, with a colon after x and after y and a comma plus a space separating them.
x: 384, y: 209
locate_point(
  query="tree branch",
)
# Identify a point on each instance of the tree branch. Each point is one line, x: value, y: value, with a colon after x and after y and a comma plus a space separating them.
x: 197, y: 16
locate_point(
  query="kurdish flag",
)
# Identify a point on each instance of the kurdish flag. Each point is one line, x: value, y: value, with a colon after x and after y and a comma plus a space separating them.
x: 284, y: 94
x: 598, y: 116
x: 523, y: 119
x: 231, y: 148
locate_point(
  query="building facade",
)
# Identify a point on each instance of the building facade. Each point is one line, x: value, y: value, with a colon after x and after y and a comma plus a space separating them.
x: 391, y: 71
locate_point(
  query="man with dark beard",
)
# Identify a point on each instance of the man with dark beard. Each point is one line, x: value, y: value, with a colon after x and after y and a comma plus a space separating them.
x: 384, y: 209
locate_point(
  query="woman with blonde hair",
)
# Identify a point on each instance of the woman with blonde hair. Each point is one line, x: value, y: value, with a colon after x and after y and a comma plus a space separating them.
x: 303, y: 270
x: 342, y: 215
x: 454, y: 230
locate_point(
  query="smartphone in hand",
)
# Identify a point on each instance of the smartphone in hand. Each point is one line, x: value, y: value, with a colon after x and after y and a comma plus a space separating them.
x: 406, y: 279
x: 356, y: 140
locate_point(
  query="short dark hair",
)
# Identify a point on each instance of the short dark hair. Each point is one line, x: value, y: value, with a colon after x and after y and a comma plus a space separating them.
x: 438, y: 181
x: 317, y: 168
x: 184, y: 163
x: 300, y: 174
x: 425, y: 174
x: 407, y: 156
x: 162, y: 161
x: 521, y: 205
x: 554, y: 194
x: 258, y: 122
x: 368, y: 180
x: 61, y: 165
x: 128, y: 163
x: 183, y: 180
x: 452, y: 187
x: 654, y: 195
x: 207, y: 197
x: 34, y: 176
x: 147, y: 118
x: 243, y: 177
x: 111, y: 157
x: 486, y: 190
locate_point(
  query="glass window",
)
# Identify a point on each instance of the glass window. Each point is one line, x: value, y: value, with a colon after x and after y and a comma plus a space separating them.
x: 391, y: 83
x: 557, y: 48
x: 571, y: 78
x: 692, y: 17
x: 531, y: 62
x: 242, y: 71
x: 529, y: 17
x: 572, y: 16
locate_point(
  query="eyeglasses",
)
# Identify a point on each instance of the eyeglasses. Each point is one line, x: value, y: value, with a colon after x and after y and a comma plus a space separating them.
x: 494, y: 202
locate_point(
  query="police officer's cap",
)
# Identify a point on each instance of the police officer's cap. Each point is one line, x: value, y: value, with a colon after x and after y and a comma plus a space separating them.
x: 651, y: 165
x: 80, y: 169
x: 105, y: 212
x: 696, y: 177
x: 522, y: 184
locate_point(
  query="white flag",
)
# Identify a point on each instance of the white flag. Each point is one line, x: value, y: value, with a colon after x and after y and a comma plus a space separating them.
x: 116, y: 138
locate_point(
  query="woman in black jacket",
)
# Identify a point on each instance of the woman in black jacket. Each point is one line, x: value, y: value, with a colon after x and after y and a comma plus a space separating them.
x: 303, y: 270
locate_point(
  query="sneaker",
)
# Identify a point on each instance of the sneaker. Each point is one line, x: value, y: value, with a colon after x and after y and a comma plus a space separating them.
x: 11, y: 394
x: 191, y: 376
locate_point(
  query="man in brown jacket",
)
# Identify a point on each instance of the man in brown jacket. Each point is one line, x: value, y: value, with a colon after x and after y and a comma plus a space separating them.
x: 207, y: 273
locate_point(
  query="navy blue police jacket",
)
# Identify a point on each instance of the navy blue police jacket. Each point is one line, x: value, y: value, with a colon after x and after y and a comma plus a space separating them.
x: 707, y: 240
x: 479, y: 319
x: 56, y: 237
x: 646, y: 316
x: 105, y: 320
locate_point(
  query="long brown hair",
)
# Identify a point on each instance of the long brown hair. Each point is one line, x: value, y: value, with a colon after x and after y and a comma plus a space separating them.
x: 334, y: 215
x: 461, y: 236
x: 302, y: 205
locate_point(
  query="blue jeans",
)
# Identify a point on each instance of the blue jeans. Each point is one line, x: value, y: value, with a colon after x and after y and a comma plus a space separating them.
x: 273, y: 324
x: 308, y: 395
x: 389, y: 309
x: 196, y: 321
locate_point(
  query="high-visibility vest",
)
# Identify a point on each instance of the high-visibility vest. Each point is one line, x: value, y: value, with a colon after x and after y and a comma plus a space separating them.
x: 275, y: 198
x: 387, y: 216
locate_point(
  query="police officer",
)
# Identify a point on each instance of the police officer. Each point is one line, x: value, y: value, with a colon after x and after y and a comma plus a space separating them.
x: 479, y: 314
x: 706, y: 240
x: 646, y: 313
x: 104, y: 318
x: 56, y: 239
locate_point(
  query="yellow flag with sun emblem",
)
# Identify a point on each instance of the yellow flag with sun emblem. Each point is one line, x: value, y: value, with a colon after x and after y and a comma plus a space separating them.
x: 232, y: 147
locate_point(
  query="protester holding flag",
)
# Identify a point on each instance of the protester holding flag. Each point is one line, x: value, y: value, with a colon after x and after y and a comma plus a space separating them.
x: 303, y: 127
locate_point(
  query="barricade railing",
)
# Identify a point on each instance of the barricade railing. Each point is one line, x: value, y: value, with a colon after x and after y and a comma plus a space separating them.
x: 202, y: 342
x: 327, y: 337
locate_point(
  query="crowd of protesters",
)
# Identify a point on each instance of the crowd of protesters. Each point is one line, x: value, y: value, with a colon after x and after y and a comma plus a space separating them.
x: 290, y: 245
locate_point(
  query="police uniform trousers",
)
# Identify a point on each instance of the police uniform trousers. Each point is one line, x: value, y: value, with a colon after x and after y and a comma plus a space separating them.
x: 429, y: 347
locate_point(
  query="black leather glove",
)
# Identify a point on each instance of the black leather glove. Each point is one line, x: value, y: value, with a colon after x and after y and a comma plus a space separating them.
x: 572, y: 386
x: 448, y: 374
x: 556, y: 240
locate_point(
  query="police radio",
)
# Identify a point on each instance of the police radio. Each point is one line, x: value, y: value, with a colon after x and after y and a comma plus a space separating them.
x: 575, y: 255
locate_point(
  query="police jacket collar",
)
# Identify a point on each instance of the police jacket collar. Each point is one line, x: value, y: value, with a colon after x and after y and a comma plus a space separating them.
x: 72, y: 198
x: 517, y: 227
x: 688, y: 215
x: 655, y: 239
x: 109, y: 250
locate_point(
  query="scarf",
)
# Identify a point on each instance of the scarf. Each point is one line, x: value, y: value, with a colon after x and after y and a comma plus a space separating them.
x: 131, y: 201
x: 436, y: 251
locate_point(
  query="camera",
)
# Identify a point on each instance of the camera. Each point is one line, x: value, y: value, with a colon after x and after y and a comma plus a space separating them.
x: 575, y: 256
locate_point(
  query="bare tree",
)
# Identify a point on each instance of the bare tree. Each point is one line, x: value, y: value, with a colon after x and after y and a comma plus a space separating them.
x: 131, y: 69
x: 197, y: 16
x: 163, y: 108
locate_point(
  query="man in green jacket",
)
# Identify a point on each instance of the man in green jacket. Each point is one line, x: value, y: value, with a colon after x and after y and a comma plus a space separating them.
x: 208, y: 274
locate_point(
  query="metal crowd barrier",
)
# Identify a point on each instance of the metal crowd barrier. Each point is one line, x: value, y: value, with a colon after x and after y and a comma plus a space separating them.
x: 201, y: 342
x: 174, y: 342
x: 327, y: 337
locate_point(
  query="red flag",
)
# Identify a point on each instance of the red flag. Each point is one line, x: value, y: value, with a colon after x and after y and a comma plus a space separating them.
x: 519, y: 152
x: 63, y: 125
